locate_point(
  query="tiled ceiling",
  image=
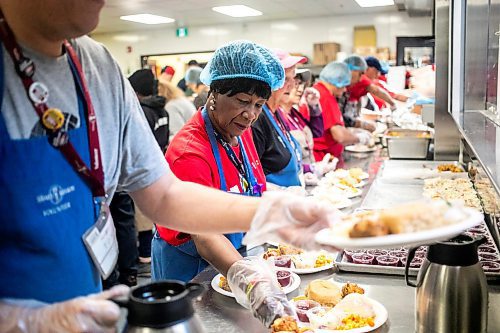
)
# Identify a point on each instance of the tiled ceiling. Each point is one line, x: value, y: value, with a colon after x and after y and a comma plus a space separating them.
x: 199, y: 12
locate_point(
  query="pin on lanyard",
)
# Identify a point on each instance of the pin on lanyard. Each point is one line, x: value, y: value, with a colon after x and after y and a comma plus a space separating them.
x: 244, y: 169
x: 234, y: 159
x: 52, y: 119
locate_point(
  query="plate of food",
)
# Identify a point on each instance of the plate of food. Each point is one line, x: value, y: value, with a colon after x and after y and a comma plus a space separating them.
x: 359, y: 148
x: 299, y: 261
x: 311, y: 262
x: 343, y: 178
x: 289, y: 282
x: 411, y: 224
x: 328, y: 307
x: 332, y: 196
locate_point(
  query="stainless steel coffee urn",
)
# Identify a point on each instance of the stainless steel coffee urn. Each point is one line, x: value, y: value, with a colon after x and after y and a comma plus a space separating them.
x: 452, y: 293
x: 163, y: 307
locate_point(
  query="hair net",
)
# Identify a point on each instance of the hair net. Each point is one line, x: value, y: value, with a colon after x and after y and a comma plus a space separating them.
x: 336, y: 73
x: 193, y: 75
x: 356, y: 63
x: 244, y: 59
x: 385, y: 67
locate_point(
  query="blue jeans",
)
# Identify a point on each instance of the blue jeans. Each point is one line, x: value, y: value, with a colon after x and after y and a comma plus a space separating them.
x: 180, y: 262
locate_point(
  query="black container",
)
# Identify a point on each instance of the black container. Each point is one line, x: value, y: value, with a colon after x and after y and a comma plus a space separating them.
x: 161, y: 304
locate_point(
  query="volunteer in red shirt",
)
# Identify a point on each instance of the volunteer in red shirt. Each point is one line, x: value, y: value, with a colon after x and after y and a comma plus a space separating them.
x: 360, y: 86
x: 167, y: 73
x: 215, y: 148
x: 333, y: 80
x: 373, y: 72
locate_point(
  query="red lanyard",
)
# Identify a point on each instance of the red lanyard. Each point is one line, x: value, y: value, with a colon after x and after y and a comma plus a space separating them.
x: 281, y: 124
x: 37, y: 95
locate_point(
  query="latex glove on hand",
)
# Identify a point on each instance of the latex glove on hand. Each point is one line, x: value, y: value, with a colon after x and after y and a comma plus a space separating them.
x: 254, y: 285
x: 286, y: 218
x: 326, y: 165
x: 364, y: 137
x: 310, y: 97
x: 311, y: 179
x: 368, y: 125
x: 93, y: 313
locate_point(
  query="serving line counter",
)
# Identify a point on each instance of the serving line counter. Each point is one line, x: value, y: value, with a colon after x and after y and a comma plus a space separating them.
x: 220, y: 313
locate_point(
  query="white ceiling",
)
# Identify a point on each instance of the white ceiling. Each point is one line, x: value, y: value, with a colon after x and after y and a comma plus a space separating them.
x: 199, y: 12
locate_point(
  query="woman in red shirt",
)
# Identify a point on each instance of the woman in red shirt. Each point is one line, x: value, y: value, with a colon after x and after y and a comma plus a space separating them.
x: 215, y: 148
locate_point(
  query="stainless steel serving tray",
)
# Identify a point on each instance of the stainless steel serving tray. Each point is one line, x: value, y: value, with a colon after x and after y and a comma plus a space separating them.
x: 344, y: 265
x: 415, y: 172
x: 387, y: 194
x: 408, y: 145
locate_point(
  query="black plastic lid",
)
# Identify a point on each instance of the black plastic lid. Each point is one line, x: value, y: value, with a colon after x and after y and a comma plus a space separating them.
x: 458, y: 251
x: 162, y: 304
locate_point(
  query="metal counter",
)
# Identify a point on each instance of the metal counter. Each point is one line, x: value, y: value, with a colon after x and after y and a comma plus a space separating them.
x: 222, y: 314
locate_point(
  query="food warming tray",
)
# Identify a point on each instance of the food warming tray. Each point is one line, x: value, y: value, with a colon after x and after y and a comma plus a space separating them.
x: 407, y: 144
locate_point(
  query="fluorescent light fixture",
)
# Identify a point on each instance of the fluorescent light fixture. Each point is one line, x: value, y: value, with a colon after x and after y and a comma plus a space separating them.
x: 237, y: 11
x: 147, y: 19
x: 374, y: 3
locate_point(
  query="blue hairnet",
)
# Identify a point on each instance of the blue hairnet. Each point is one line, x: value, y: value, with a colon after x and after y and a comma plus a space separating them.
x: 385, y: 67
x: 246, y: 60
x: 193, y: 75
x: 336, y: 73
x: 356, y: 63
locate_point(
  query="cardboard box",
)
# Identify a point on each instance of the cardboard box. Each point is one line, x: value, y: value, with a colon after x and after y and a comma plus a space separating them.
x: 383, y: 53
x: 365, y: 51
x: 323, y: 53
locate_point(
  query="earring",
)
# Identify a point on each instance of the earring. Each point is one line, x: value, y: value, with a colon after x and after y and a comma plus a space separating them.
x: 212, y: 102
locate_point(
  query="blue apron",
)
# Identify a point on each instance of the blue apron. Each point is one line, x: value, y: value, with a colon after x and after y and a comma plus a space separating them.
x: 183, y: 262
x: 46, y: 208
x: 289, y: 175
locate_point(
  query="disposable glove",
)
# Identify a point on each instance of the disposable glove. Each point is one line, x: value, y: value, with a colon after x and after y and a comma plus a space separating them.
x: 310, y: 97
x: 364, y: 137
x: 93, y: 313
x: 287, y: 218
x: 311, y: 179
x: 368, y: 125
x: 254, y: 285
x: 325, y: 165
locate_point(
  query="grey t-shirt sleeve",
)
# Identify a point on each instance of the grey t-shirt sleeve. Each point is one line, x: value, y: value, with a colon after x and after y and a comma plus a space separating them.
x: 142, y: 161
x: 132, y: 159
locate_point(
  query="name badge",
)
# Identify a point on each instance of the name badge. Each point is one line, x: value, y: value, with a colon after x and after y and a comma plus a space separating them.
x: 100, y: 241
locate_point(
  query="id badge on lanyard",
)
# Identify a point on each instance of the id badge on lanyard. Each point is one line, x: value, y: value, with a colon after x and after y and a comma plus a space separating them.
x: 100, y: 240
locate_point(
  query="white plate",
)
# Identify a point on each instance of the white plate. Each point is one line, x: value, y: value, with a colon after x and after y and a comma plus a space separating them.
x: 364, y: 176
x: 351, y: 195
x: 360, y: 149
x: 344, y: 204
x: 338, y: 237
x: 294, y: 284
x: 313, y: 269
x: 381, y: 316
x: 360, y: 184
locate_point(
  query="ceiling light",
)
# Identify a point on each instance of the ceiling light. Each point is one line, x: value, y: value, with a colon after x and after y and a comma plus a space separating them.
x: 237, y: 11
x: 374, y: 3
x: 147, y: 19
